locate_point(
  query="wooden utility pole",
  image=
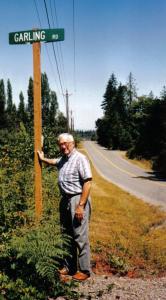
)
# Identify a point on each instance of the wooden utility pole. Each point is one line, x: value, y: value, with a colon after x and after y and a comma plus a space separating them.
x: 67, y: 110
x: 71, y: 121
x: 36, y: 36
x: 37, y: 129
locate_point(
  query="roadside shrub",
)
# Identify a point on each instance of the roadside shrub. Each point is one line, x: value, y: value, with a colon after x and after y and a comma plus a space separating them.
x: 30, y: 252
x: 17, y: 290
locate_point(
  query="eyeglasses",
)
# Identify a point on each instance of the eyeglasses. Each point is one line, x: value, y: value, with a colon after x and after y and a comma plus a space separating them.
x: 64, y: 144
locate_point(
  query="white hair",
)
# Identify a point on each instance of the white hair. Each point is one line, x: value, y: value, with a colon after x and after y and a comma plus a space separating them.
x: 66, y: 136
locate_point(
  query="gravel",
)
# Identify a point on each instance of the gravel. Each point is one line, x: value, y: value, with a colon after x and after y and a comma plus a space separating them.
x: 112, y: 288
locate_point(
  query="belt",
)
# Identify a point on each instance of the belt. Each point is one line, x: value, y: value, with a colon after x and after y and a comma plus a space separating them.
x: 66, y: 195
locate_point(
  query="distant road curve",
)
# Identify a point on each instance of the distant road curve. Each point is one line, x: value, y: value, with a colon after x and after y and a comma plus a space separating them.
x: 126, y: 175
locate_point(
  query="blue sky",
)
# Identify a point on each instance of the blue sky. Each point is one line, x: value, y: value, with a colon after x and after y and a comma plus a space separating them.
x: 119, y: 36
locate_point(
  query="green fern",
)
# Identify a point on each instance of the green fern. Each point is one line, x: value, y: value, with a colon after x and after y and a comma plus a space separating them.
x: 43, y: 247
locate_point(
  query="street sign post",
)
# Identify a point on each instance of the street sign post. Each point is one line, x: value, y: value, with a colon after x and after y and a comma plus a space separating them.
x: 32, y: 36
x: 35, y: 37
x: 37, y: 128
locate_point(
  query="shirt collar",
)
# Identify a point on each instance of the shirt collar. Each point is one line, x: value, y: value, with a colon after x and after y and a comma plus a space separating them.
x: 71, y: 153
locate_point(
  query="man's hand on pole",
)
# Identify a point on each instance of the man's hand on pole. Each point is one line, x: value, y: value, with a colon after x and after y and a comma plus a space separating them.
x: 40, y: 155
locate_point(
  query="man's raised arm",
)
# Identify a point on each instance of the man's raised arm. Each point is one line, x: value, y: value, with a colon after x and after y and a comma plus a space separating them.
x: 49, y: 161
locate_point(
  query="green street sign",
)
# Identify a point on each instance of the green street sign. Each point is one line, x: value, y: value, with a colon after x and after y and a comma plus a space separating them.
x: 32, y: 36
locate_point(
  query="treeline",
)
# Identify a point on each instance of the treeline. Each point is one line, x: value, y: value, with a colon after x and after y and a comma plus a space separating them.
x: 11, y: 116
x: 86, y: 134
x: 53, y: 121
x: 134, y: 123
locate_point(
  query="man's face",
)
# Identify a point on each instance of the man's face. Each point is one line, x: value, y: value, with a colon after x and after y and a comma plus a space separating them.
x: 65, y: 146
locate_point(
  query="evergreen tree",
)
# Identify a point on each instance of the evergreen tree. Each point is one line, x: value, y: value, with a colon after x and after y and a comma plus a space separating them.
x: 61, y: 123
x: 109, y: 95
x: 45, y: 93
x: 146, y: 118
x: 160, y: 160
x: 2, y: 105
x: 9, y: 98
x: 163, y: 94
x: 21, y: 109
x: 53, y: 109
x: 131, y: 88
x: 114, y: 130
x: 11, y: 113
x: 120, y: 103
x: 104, y: 132
x: 30, y: 109
x: 121, y: 125
x: 14, y: 116
x: 151, y: 95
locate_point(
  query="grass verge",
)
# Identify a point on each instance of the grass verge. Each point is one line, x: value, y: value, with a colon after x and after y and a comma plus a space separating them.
x: 142, y: 163
x: 127, y: 235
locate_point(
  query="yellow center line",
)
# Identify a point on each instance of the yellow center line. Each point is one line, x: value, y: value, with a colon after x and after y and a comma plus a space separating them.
x: 122, y: 170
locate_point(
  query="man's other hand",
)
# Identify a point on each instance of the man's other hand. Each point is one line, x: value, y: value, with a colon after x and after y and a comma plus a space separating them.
x: 79, y: 213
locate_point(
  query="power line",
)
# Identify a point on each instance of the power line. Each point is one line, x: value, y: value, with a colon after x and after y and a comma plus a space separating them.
x: 54, y: 49
x: 47, y: 13
x: 37, y: 12
x: 59, y: 44
x: 38, y: 15
x: 74, y: 45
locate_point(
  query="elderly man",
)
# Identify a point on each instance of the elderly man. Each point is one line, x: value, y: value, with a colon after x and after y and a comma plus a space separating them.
x: 74, y: 183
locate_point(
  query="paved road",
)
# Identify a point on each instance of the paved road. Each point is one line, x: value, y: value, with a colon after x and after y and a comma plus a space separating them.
x: 131, y: 178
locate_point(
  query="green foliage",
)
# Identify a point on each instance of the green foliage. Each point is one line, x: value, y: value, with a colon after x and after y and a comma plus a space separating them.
x: 147, y: 122
x: 104, y: 136
x: 118, y: 263
x: 113, y: 130
x: 30, y: 111
x: 42, y: 248
x: 15, y: 177
x: 17, y: 147
x: 45, y: 93
x: 53, y: 109
x: 9, y: 97
x: 61, y: 123
x: 159, y: 162
x: 163, y: 94
x: 30, y: 253
x: 52, y: 119
x: 50, y: 148
x: 109, y: 95
x: 18, y: 290
x: 2, y: 104
x: 135, y: 124
x: 22, y: 114
x: 85, y: 134
x: 11, y: 113
x: 131, y: 89
x: 31, y: 257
